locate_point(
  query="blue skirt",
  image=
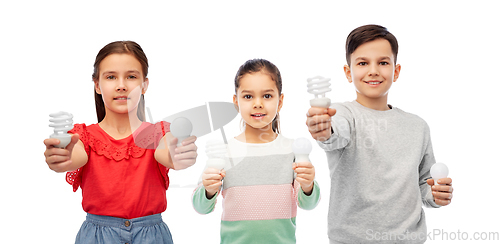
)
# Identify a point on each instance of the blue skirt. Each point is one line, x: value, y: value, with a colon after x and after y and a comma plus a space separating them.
x: 99, y: 229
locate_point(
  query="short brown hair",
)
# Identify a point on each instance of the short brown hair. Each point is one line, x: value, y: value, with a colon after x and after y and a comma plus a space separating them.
x: 119, y: 47
x: 367, y: 33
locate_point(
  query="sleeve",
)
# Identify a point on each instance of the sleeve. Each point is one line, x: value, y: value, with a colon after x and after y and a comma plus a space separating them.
x: 424, y: 173
x: 161, y: 129
x: 341, y: 129
x: 74, y: 178
x: 307, y: 202
x: 201, y: 203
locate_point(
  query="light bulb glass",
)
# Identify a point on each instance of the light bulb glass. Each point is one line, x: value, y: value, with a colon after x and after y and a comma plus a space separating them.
x: 439, y: 171
x: 62, y: 122
x: 318, y: 86
x: 181, y: 128
x: 301, y: 147
x: 216, y: 151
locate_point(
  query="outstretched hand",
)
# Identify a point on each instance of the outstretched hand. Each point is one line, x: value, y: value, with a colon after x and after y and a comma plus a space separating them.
x: 319, y: 122
x: 183, y: 156
x: 442, y: 193
x: 59, y: 159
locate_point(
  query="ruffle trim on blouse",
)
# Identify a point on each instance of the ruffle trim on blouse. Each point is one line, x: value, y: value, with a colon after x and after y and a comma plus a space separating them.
x: 147, y: 138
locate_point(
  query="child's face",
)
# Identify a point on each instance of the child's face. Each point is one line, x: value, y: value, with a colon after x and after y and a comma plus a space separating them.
x: 121, y: 82
x: 258, y: 99
x: 372, y: 69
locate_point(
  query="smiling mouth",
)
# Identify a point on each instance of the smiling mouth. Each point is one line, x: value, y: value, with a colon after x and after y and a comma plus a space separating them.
x: 373, y: 82
x: 121, y: 98
x: 258, y: 115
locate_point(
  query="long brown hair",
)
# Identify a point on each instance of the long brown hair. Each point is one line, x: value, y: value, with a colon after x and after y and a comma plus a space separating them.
x: 119, y: 47
x: 258, y: 65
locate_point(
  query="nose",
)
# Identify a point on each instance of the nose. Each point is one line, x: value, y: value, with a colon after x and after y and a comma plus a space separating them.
x: 258, y: 103
x: 121, y: 85
x: 373, y: 70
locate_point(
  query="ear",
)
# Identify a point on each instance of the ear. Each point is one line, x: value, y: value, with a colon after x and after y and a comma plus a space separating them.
x: 97, y: 88
x: 347, y: 71
x: 280, y: 103
x: 396, y: 72
x: 235, y: 102
x: 145, y: 85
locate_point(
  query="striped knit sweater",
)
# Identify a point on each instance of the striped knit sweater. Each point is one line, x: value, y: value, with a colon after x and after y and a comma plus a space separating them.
x: 260, y: 195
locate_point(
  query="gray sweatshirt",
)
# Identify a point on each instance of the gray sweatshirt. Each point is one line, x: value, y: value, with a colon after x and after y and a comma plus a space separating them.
x: 379, y: 162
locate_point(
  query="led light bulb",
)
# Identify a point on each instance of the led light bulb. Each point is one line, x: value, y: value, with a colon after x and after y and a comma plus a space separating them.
x: 62, y: 122
x: 301, y: 147
x: 439, y: 171
x: 216, y: 151
x: 181, y: 128
x: 318, y: 86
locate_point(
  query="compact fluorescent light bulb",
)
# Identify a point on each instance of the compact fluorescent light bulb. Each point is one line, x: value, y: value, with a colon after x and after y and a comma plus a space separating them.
x: 318, y: 86
x: 181, y: 128
x: 62, y: 122
x: 301, y: 147
x: 216, y: 151
x: 439, y: 171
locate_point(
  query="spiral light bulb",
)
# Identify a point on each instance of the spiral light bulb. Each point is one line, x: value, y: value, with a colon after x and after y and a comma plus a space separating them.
x: 301, y: 147
x: 181, y: 128
x: 318, y: 86
x: 216, y: 151
x: 439, y: 171
x: 62, y: 122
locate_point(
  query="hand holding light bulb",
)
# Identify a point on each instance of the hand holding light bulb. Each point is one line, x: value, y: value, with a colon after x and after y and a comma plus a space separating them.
x: 216, y: 152
x: 181, y: 128
x: 442, y: 192
x: 62, y: 122
x: 320, y: 113
x: 59, y: 146
x: 302, y: 166
x: 182, y: 150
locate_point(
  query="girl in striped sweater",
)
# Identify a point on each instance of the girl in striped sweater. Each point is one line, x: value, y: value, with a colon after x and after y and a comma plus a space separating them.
x: 261, y: 184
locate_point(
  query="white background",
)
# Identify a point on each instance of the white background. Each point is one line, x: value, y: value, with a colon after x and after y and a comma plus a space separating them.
x: 448, y: 53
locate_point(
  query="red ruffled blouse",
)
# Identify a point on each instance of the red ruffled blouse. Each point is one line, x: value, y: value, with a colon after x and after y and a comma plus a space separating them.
x: 121, y: 178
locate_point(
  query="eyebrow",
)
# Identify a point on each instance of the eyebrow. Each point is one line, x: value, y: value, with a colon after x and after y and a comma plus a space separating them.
x: 381, y: 58
x: 251, y: 91
x: 128, y: 71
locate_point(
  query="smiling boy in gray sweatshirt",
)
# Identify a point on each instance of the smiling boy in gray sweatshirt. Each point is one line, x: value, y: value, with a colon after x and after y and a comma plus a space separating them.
x: 379, y: 156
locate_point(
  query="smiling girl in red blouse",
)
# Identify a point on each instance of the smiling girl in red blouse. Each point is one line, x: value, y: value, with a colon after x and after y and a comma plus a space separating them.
x: 122, y: 163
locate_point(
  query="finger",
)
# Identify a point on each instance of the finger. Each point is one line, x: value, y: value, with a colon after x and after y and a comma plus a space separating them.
x: 304, y: 164
x: 332, y: 111
x: 185, y: 148
x: 215, y: 177
x: 303, y: 170
x: 72, y: 143
x: 60, y: 167
x: 191, y: 155
x: 442, y: 195
x: 442, y: 188
x: 442, y: 202
x: 50, y: 142
x: 318, y: 111
x: 55, y: 159
x: 189, y: 140
x: 430, y: 182
x: 317, y: 119
x: 444, y: 181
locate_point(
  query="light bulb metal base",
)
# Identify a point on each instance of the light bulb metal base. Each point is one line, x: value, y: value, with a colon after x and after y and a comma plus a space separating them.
x: 216, y: 163
x: 323, y: 102
x: 301, y: 158
x: 64, y: 139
